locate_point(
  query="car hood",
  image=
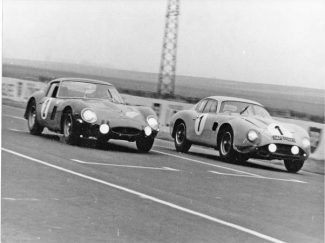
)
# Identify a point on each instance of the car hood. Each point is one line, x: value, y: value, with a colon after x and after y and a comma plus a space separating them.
x: 271, y: 124
x: 106, y: 109
x: 259, y: 122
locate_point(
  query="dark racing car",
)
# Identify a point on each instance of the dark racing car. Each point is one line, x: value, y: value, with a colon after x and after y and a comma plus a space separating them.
x: 88, y: 108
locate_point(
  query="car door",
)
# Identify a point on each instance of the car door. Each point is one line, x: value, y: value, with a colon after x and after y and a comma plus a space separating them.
x: 209, y: 128
x: 47, y: 106
x: 202, y: 117
x: 194, y: 122
x: 205, y: 125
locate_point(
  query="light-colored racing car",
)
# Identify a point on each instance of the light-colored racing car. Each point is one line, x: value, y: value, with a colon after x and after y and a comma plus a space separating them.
x: 240, y: 129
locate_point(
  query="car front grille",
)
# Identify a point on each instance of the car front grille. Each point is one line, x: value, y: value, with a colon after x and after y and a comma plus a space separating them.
x: 126, y: 131
x: 282, y: 150
x: 286, y: 149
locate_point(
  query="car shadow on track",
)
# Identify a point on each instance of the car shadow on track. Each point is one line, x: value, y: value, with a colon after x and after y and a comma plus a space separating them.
x: 92, y: 144
x: 88, y: 143
x: 244, y: 164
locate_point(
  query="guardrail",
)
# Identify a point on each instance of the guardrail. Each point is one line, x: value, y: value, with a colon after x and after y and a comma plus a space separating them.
x: 20, y: 90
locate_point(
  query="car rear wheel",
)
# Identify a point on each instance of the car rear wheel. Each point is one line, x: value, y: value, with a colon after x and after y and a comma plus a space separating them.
x: 226, y: 149
x: 294, y: 165
x: 70, y: 135
x: 144, y: 144
x: 180, y: 140
x: 33, y: 126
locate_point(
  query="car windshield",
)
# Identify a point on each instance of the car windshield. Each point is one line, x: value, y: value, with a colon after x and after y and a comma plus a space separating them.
x: 84, y: 90
x: 244, y: 108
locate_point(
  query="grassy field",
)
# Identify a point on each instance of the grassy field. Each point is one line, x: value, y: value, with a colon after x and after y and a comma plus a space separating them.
x: 285, y: 101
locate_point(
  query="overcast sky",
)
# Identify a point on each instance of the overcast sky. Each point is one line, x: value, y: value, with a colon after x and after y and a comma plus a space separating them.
x: 262, y: 41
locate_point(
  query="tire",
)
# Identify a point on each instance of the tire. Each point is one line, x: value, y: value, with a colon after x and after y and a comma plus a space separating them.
x: 33, y: 126
x: 293, y: 166
x: 180, y: 140
x: 226, y: 149
x: 144, y: 144
x: 70, y: 134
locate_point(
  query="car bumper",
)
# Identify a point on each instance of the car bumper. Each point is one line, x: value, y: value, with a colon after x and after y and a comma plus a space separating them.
x: 121, y: 132
x: 283, y: 151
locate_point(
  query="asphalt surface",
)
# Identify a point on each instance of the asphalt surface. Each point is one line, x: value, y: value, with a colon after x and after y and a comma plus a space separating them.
x: 53, y: 192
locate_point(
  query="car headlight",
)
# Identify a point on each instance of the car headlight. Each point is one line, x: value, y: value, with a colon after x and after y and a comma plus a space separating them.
x: 252, y: 135
x: 272, y: 147
x: 147, y: 131
x: 305, y: 143
x: 88, y: 115
x: 104, y: 128
x: 295, y: 150
x: 152, y: 122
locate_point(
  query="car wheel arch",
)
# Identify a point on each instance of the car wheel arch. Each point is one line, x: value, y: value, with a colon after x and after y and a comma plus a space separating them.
x: 28, y: 106
x: 223, y: 127
x: 64, y: 111
x: 145, y: 111
x: 177, y: 122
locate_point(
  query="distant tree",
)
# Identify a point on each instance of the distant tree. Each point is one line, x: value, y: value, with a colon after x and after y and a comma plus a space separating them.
x: 45, y: 78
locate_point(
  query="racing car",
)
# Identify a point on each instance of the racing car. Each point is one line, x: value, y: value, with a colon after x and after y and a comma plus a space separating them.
x: 89, y: 108
x: 240, y: 129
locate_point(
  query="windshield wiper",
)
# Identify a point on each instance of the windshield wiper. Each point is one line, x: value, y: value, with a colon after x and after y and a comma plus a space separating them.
x: 244, y: 110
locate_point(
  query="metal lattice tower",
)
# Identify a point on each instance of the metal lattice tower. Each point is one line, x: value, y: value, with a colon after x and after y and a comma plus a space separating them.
x: 166, y: 82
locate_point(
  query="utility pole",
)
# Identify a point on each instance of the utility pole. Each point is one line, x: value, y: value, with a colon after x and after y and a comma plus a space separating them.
x: 166, y: 82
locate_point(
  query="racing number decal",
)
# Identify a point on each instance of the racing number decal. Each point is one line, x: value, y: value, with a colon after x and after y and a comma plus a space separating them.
x: 278, y: 130
x: 199, y: 124
x: 277, y: 127
x: 45, y: 108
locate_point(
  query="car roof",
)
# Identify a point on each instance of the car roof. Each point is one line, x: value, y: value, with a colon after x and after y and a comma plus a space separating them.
x: 85, y: 80
x: 228, y: 98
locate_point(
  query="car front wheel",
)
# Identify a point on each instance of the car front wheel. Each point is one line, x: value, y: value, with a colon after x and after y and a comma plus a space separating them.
x: 144, y: 144
x: 33, y: 126
x: 180, y: 140
x: 70, y: 135
x: 226, y: 149
x: 294, y: 165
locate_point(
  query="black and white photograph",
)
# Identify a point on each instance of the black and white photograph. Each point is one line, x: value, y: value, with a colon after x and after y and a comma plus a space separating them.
x: 181, y: 121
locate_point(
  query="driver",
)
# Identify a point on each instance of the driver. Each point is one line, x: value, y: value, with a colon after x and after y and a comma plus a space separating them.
x: 99, y: 93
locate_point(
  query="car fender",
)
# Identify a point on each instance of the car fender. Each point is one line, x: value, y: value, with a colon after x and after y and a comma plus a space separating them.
x: 185, y: 116
x: 145, y: 111
x: 296, y: 129
x: 76, y: 106
x: 240, y: 129
x: 62, y: 105
x: 299, y: 134
x: 37, y: 96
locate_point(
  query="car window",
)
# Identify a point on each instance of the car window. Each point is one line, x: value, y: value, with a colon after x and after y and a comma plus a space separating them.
x: 213, y: 107
x: 229, y: 107
x: 208, y: 106
x: 243, y: 108
x: 88, y: 90
x: 260, y: 111
x: 201, y: 105
x: 197, y: 106
x: 53, y: 90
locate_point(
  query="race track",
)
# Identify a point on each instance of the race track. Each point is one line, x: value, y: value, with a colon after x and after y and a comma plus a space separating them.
x: 53, y: 192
